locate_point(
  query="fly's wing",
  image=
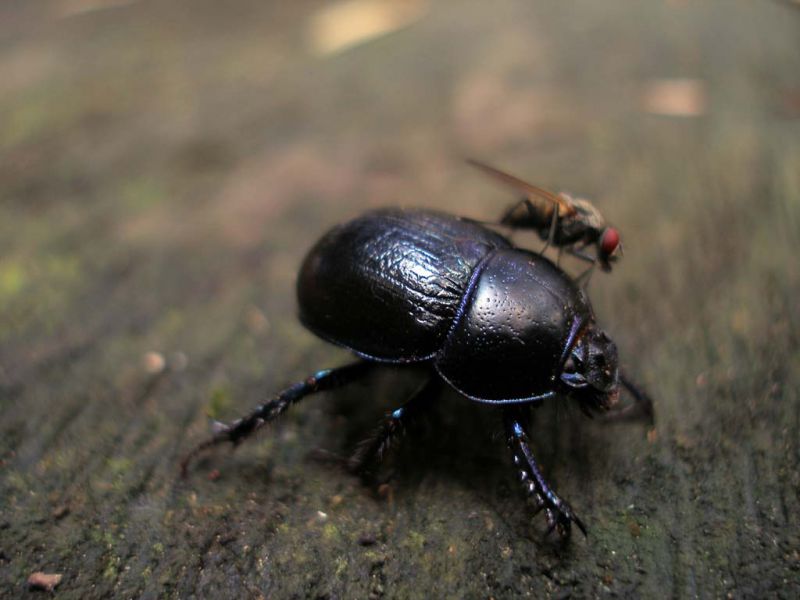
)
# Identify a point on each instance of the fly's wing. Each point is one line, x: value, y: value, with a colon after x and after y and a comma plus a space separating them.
x: 542, y: 200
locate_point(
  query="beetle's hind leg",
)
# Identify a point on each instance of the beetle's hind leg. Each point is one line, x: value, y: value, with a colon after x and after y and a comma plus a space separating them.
x: 559, y: 514
x: 373, y: 449
x: 240, y: 429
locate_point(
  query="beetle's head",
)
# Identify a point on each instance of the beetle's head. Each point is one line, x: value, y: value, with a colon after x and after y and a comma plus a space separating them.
x: 590, y: 371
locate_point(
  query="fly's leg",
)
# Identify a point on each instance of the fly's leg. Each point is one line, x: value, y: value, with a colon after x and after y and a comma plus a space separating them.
x: 578, y: 252
x: 374, y: 448
x: 532, y: 219
x: 584, y: 278
x: 240, y: 429
x: 559, y: 514
x: 551, y: 235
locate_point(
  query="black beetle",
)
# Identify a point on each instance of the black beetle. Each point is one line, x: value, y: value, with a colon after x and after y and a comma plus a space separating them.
x: 500, y: 324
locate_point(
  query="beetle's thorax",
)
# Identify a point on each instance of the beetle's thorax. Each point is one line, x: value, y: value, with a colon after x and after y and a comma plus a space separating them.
x: 507, y: 344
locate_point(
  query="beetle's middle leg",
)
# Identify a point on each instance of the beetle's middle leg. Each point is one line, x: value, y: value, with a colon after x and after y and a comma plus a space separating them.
x: 559, y: 514
x: 240, y: 429
x: 373, y: 449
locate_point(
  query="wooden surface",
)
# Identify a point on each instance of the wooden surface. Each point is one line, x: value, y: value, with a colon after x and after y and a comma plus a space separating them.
x: 165, y: 166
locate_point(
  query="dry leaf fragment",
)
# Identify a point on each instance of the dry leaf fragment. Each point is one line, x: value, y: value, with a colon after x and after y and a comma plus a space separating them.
x: 72, y: 8
x: 674, y: 97
x: 44, y: 581
x: 341, y: 25
x: 154, y: 362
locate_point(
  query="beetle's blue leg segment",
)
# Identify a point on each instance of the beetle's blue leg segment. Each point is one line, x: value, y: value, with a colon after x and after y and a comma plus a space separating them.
x: 374, y: 448
x: 559, y: 514
x: 269, y: 411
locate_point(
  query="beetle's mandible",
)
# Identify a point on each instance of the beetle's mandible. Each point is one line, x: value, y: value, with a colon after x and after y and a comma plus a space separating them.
x: 498, y: 323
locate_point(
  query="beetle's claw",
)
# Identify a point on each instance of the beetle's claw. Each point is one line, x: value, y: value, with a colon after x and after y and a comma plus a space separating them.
x: 560, y: 517
x: 221, y: 433
x: 581, y: 526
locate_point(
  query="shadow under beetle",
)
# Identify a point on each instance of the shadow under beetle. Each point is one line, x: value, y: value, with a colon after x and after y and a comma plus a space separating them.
x: 500, y: 324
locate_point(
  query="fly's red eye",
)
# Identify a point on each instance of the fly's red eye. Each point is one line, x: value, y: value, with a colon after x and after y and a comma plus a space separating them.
x: 609, y: 241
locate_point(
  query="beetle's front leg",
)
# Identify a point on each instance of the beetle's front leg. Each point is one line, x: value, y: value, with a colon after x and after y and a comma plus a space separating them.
x: 559, y: 514
x: 641, y: 408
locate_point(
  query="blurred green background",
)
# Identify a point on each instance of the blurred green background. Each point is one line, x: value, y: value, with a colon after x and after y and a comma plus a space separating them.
x: 164, y: 166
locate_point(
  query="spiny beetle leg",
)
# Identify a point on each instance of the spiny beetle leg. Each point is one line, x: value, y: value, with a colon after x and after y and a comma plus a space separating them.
x: 374, y: 448
x: 240, y: 429
x: 558, y: 512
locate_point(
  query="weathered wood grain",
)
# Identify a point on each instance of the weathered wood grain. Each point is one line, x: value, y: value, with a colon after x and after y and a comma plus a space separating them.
x: 163, y: 169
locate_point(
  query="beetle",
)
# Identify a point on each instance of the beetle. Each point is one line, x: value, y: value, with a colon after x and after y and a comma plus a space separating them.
x: 573, y: 224
x: 501, y: 325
